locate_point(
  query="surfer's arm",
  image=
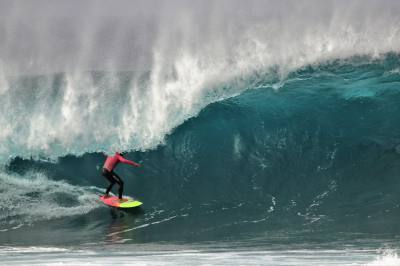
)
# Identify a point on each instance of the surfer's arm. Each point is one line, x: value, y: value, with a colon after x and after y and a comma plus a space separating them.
x: 123, y: 160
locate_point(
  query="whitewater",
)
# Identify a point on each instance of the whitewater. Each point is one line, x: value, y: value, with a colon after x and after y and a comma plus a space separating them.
x: 268, y: 132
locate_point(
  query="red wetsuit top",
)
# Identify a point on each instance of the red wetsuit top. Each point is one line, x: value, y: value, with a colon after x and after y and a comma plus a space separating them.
x: 112, y: 161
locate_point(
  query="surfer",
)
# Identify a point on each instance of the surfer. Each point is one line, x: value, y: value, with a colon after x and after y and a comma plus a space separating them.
x: 108, y: 172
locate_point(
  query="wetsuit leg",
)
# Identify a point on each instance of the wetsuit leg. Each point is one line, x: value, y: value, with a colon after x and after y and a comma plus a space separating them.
x: 119, y: 181
x: 109, y: 188
x: 108, y: 175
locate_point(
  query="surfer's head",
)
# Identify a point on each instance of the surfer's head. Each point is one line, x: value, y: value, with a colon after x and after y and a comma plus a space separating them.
x: 120, y: 153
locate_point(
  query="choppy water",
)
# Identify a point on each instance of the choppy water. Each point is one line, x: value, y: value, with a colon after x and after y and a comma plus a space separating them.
x: 194, y: 255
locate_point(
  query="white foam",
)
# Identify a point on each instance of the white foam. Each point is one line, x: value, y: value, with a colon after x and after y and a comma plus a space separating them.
x: 33, y: 197
x: 387, y: 259
x: 189, y: 255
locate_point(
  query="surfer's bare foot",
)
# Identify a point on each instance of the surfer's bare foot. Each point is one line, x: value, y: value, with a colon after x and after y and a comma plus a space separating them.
x: 123, y: 200
x: 106, y: 196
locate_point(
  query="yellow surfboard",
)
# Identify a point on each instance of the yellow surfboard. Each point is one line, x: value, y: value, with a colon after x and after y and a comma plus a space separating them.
x: 127, y: 202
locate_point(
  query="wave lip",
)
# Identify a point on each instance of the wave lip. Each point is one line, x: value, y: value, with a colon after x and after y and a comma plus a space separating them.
x: 135, y: 94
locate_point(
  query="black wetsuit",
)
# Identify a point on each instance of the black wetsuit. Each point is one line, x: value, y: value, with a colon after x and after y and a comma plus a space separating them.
x: 113, y: 178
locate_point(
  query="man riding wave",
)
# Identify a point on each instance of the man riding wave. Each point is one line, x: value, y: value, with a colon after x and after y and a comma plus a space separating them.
x: 108, y: 172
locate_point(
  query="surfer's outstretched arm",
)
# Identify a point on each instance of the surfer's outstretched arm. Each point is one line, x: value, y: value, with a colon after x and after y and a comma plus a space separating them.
x: 123, y: 160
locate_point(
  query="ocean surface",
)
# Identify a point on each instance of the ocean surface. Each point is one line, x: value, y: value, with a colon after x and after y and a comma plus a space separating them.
x: 274, y: 145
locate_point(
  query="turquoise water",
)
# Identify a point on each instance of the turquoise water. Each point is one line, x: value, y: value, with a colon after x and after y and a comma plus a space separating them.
x: 277, y: 143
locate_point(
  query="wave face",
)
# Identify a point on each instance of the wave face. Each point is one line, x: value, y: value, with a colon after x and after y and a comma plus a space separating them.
x: 319, y: 154
x: 249, y: 120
